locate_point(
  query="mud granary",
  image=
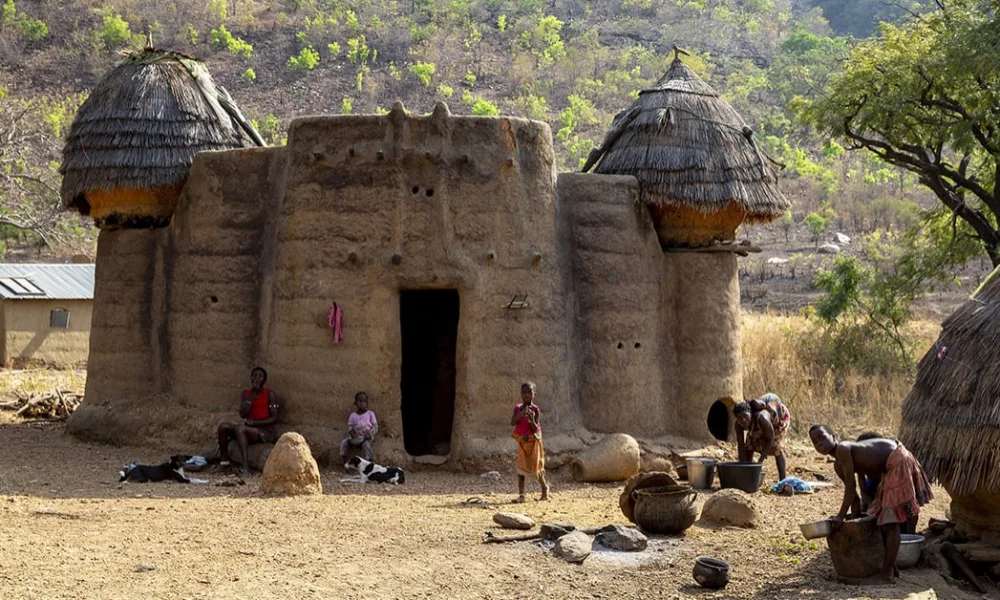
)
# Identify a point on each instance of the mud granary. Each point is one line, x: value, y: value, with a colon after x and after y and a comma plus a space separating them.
x: 463, y: 264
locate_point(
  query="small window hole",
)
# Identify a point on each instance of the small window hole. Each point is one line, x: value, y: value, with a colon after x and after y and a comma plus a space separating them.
x: 620, y: 345
x: 430, y: 192
x: 415, y: 190
x: 638, y: 345
x: 214, y: 299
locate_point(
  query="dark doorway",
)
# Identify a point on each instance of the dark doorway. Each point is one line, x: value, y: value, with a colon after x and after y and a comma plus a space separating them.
x: 428, y: 328
x: 718, y: 420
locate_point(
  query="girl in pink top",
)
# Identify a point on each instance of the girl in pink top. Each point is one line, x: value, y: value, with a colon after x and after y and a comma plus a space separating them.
x: 361, y: 429
x: 526, y: 421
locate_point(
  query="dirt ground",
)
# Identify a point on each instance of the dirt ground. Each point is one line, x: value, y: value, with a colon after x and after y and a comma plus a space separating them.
x: 71, y: 531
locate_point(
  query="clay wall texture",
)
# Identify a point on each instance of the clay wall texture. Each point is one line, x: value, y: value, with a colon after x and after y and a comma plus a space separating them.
x: 356, y: 209
x: 29, y: 340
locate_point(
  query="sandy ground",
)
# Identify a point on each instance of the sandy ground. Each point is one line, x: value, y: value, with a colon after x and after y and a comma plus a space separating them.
x: 69, y: 530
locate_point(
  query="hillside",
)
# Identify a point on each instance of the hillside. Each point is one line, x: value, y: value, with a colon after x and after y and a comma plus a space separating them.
x: 571, y: 63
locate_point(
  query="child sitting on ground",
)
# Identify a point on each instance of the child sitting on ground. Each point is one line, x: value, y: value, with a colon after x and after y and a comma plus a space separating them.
x: 361, y: 429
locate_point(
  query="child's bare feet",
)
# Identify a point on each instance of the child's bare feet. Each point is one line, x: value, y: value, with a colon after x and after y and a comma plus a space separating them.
x: 520, y: 499
x: 545, y: 494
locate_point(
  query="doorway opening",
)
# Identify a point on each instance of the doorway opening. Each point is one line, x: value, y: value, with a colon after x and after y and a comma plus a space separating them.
x: 428, y: 329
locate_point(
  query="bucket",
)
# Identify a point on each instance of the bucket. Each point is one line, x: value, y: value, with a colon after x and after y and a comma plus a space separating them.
x: 742, y: 476
x: 701, y: 473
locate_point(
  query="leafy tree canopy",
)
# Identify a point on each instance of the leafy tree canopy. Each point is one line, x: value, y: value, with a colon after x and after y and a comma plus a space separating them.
x: 925, y: 96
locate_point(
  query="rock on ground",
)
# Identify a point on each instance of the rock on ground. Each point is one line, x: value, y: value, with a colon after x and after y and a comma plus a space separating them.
x: 829, y: 249
x: 554, y: 531
x: 509, y: 520
x: 291, y: 469
x: 618, y: 537
x: 574, y: 547
x: 731, y: 507
x: 649, y: 463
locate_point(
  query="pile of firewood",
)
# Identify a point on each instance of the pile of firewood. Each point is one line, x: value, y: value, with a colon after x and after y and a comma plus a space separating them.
x: 55, y: 405
x: 950, y: 550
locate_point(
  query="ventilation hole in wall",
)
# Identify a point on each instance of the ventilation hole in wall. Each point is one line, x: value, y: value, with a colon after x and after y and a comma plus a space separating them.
x: 414, y: 190
x: 214, y: 299
x: 638, y: 345
x: 620, y: 345
x: 430, y: 193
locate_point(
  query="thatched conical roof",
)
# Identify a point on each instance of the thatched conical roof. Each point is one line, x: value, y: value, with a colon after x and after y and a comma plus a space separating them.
x: 687, y: 146
x: 951, y: 418
x: 144, y: 122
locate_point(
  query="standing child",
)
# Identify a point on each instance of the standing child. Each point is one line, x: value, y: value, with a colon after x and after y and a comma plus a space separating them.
x: 528, y: 433
x: 361, y: 429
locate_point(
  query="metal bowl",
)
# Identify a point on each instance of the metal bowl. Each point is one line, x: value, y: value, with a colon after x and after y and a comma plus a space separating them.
x: 815, y: 530
x: 909, y: 550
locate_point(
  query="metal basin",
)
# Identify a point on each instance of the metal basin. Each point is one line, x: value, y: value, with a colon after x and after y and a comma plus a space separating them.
x: 701, y: 473
x: 909, y: 550
x: 819, y: 529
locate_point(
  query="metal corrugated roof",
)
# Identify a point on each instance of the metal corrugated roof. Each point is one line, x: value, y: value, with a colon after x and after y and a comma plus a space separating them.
x: 55, y: 282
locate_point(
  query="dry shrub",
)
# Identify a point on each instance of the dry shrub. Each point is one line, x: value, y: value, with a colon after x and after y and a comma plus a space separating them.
x: 776, y: 358
x: 36, y: 381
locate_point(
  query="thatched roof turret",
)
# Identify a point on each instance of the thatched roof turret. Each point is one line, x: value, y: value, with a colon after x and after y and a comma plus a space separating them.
x: 699, y: 168
x: 951, y: 418
x: 132, y: 142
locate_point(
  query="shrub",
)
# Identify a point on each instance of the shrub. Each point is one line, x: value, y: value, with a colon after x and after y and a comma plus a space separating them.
x: 191, y: 35
x: 470, y: 78
x: 484, y: 108
x: 115, y: 31
x: 249, y: 75
x: 334, y: 49
x: 346, y: 106
x: 306, y: 60
x: 423, y: 71
x: 221, y: 39
x: 445, y: 91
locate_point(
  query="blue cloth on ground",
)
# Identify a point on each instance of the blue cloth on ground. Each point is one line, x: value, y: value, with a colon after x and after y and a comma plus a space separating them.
x: 798, y: 486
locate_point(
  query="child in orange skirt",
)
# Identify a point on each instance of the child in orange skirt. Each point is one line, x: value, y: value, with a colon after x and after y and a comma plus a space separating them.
x: 528, y: 434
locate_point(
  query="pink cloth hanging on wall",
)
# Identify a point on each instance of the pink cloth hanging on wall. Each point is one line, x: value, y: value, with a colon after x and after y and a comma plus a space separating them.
x: 336, y: 319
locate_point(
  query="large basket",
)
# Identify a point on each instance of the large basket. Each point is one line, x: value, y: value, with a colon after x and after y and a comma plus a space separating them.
x: 667, y: 510
x: 640, y: 481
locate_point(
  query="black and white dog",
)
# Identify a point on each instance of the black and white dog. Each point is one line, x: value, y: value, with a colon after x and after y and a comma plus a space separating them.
x: 172, y: 470
x: 369, y: 471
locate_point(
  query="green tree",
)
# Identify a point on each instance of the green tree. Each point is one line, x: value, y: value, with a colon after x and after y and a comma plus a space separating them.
x: 423, y: 72
x: 115, y: 31
x: 305, y: 60
x: 923, y: 96
x: 817, y: 226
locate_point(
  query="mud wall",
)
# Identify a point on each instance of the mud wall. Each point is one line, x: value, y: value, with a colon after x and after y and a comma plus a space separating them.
x: 356, y: 209
x: 375, y: 205
x: 705, y: 295
x: 626, y: 366
x: 29, y: 339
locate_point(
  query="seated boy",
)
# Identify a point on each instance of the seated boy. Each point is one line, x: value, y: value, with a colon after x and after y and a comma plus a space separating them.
x: 901, y: 485
x: 361, y: 429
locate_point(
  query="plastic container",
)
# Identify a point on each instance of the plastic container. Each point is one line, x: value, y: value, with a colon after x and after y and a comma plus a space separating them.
x: 741, y: 476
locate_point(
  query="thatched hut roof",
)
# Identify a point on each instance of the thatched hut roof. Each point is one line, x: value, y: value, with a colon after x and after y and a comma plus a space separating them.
x: 687, y: 146
x: 144, y: 122
x: 951, y: 418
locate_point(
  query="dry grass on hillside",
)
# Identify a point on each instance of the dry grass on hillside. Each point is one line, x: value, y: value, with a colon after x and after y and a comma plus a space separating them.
x: 846, y: 400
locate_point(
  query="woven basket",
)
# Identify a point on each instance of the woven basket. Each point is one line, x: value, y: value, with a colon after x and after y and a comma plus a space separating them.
x: 640, y: 481
x: 668, y: 509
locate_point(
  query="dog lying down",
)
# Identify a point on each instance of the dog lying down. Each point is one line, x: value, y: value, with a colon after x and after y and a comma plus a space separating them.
x: 369, y: 471
x: 172, y: 470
